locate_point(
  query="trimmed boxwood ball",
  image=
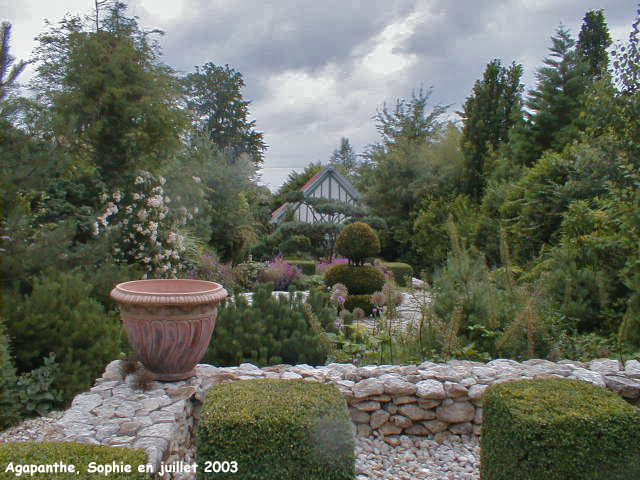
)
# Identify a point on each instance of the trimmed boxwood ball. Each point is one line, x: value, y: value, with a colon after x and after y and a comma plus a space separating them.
x: 357, y: 242
x: 362, y: 280
x: 359, y: 301
x: 558, y: 429
x: 69, y: 453
x: 277, y: 429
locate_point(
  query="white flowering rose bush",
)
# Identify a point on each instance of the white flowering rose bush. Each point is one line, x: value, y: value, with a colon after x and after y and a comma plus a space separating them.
x: 150, y: 231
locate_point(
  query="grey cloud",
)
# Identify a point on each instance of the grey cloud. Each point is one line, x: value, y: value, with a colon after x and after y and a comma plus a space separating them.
x: 451, y: 45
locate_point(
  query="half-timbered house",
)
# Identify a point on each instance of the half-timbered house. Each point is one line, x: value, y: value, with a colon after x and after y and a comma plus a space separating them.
x: 327, y: 183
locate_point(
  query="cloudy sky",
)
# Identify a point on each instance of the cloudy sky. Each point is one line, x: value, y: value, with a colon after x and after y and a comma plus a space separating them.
x: 316, y: 71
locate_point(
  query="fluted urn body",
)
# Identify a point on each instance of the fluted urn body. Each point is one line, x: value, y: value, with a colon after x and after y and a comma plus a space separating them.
x: 169, y: 322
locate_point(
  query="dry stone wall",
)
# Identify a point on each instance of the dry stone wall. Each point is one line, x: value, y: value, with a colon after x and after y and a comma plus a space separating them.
x: 384, y: 401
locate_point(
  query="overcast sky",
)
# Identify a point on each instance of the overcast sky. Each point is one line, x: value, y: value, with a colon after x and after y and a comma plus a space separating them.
x: 316, y: 71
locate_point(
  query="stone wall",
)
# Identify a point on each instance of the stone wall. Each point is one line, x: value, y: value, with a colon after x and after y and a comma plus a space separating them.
x: 384, y: 401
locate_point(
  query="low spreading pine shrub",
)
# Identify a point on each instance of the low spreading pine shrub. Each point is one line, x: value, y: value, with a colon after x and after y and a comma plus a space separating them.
x: 60, y: 317
x: 271, y: 330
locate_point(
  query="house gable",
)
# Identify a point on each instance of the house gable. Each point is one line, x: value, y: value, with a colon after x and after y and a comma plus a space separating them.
x: 327, y: 183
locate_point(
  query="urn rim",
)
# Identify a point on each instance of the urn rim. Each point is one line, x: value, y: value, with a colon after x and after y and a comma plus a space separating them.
x: 180, y: 291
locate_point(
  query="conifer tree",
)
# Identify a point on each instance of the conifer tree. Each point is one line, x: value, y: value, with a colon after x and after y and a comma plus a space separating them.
x: 9, y: 71
x: 215, y: 98
x: 344, y: 157
x: 593, y: 41
x: 114, y: 103
x: 488, y: 114
x: 553, y: 107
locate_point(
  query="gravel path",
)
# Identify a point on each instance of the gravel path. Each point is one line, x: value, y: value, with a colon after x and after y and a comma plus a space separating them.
x: 38, y: 429
x: 417, y: 458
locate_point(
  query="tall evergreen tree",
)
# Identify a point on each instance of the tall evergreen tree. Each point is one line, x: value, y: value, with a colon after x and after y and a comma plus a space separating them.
x: 554, y: 105
x: 488, y: 115
x: 593, y: 41
x: 9, y: 71
x: 113, y: 102
x: 214, y: 96
x: 344, y: 157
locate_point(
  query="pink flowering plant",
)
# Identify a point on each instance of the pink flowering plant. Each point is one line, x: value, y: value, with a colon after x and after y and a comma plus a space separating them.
x: 151, y: 228
x: 323, y: 266
x: 280, y: 273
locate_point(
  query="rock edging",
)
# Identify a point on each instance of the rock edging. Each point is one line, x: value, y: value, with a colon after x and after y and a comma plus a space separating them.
x: 385, y: 401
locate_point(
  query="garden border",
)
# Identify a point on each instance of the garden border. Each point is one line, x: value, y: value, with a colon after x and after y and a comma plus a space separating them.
x: 384, y: 401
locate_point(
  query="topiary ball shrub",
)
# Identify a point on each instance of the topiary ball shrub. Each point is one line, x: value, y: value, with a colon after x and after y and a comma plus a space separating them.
x: 80, y: 455
x: 558, y: 429
x: 359, y: 301
x: 277, y: 429
x: 362, y: 280
x: 358, y: 241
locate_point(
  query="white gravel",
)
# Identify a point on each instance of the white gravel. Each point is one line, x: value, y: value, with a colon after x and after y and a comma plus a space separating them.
x: 417, y: 458
x: 414, y: 458
x: 37, y: 429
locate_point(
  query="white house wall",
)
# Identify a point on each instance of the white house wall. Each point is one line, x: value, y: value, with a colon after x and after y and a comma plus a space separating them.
x: 331, y: 188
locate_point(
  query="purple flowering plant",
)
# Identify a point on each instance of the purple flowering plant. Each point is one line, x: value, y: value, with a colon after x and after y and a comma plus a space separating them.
x: 280, y: 273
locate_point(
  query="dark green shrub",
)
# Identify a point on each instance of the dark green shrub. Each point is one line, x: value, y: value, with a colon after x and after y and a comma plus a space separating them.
x: 308, y: 267
x: 8, y: 411
x: 36, y: 392
x: 558, y: 429
x: 358, y: 241
x: 359, y: 301
x: 402, y: 272
x: 78, y: 454
x: 270, y: 331
x: 277, y: 429
x: 358, y: 280
x: 310, y: 282
x: 60, y: 317
x: 295, y: 245
x: 106, y: 276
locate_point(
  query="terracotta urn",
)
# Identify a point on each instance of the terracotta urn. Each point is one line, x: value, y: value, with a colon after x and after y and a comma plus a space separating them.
x: 169, y: 322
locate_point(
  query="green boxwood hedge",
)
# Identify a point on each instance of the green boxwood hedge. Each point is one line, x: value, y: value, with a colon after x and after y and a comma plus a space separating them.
x: 558, y: 429
x: 277, y: 429
x: 308, y: 267
x: 21, y: 455
x: 359, y: 280
x: 402, y: 272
